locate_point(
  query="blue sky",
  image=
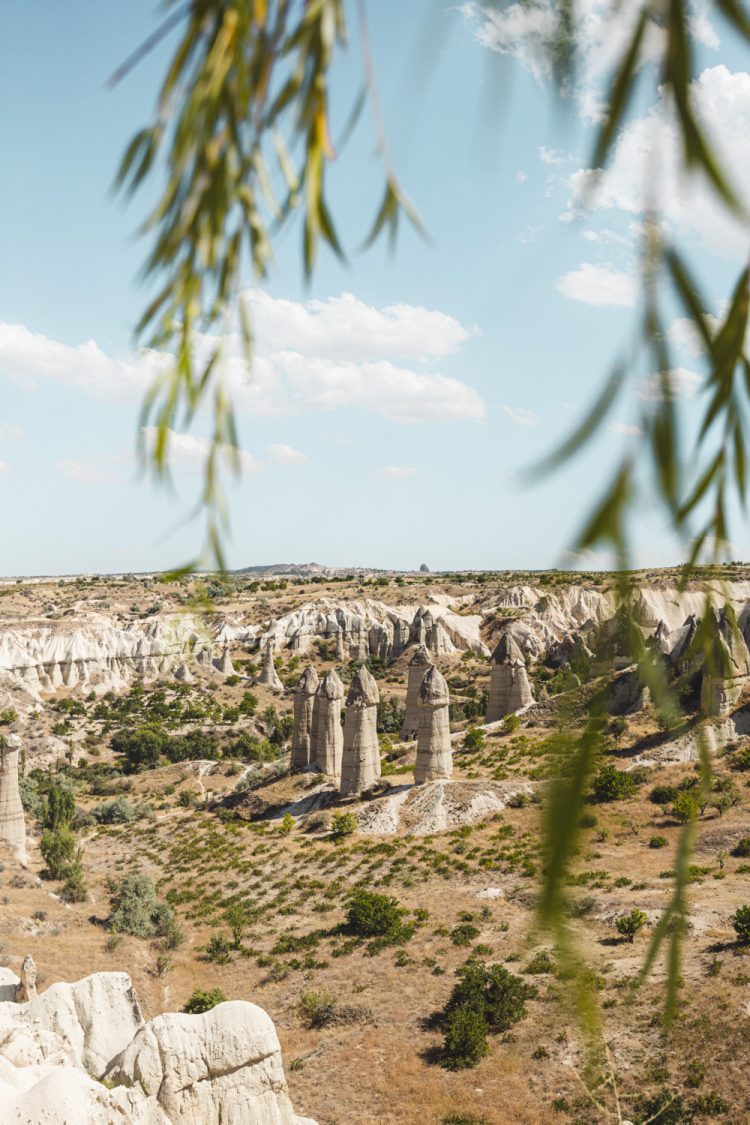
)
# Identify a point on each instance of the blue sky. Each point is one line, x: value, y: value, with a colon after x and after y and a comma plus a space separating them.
x: 398, y: 398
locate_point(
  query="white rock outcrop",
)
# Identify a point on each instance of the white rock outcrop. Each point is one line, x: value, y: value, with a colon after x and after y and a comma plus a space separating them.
x: 418, y: 666
x: 82, y: 1054
x: 360, y: 763
x: 304, y: 701
x: 269, y: 677
x: 510, y: 690
x: 12, y: 822
x: 434, y: 750
x: 327, y: 735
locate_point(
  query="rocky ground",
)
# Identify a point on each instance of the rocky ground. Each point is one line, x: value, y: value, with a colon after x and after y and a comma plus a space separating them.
x: 462, y: 858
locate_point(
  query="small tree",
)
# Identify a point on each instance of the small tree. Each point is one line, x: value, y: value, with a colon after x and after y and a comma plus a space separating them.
x: 372, y: 915
x: 61, y: 806
x: 474, y: 740
x: 58, y: 850
x: 202, y: 1000
x: 236, y: 917
x: 611, y: 784
x: 628, y: 925
x: 685, y: 806
x: 741, y: 924
x: 343, y: 824
x: 135, y: 909
x: 465, y: 1038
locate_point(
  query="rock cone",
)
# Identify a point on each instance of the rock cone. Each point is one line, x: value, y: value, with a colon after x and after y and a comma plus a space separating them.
x: 12, y: 823
x: 418, y: 666
x: 360, y: 764
x: 510, y: 690
x: 269, y: 677
x: 304, y: 701
x: 434, y: 752
x: 327, y: 735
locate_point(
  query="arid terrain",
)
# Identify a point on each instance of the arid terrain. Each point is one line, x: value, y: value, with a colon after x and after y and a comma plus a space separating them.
x: 259, y: 862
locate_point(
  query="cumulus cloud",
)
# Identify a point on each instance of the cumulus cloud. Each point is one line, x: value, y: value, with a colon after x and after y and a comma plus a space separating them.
x: 287, y: 455
x: 624, y: 428
x: 4, y: 466
x: 309, y: 356
x: 90, y: 471
x: 396, y: 472
x: 651, y: 144
x: 188, y: 452
x: 11, y: 433
x: 680, y: 383
x: 598, y: 285
x: 521, y: 416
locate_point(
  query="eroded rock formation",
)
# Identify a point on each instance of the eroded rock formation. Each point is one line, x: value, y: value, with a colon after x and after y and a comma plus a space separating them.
x: 223, y: 663
x: 360, y: 763
x: 327, y: 735
x: 269, y: 677
x: 304, y: 702
x: 26, y: 989
x: 434, y: 752
x: 728, y: 665
x: 510, y: 690
x: 12, y: 823
x: 418, y: 666
x: 82, y: 1053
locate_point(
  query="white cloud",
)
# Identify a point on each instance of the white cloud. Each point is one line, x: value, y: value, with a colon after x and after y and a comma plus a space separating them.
x: 188, y: 452
x: 529, y: 234
x: 521, y: 177
x: 681, y: 383
x: 91, y: 471
x: 624, y: 428
x: 396, y: 472
x: 287, y: 455
x: 648, y: 153
x: 554, y: 156
x: 521, y: 416
x: 4, y: 466
x: 312, y: 356
x: 598, y: 285
x: 11, y: 433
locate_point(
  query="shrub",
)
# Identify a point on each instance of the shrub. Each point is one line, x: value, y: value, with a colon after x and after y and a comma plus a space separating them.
x: 685, y: 806
x: 464, y: 934
x: 474, y: 740
x: 511, y: 723
x: 628, y: 925
x: 202, y: 1000
x: 741, y: 924
x: 60, y: 807
x: 588, y: 820
x: 134, y: 909
x: 658, y: 842
x: 141, y: 748
x: 742, y: 848
x: 237, y: 917
x: 494, y: 992
x: 465, y: 1038
x: 611, y: 784
x: 74, y: 888
x: 741, y: 759
x: 343, y: 824
x: 662, y: 794
x: 218, y: 949
x: 369, y: 914
x: 287, y: 823
x: 118, y: 811
x: 58, y: 848
x: 316, y: 1009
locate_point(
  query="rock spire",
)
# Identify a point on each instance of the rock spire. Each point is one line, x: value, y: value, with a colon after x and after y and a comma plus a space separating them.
x: 304, y: 699
x: 269, y: 677
x: 360, y: 765
x: 510, y: 690
x: 418, y: 666
x: 12, y: 824
x: 434, y: 752
x: 327, y: 735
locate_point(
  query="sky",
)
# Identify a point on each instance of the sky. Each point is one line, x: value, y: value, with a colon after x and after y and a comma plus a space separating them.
x: 397, y: 399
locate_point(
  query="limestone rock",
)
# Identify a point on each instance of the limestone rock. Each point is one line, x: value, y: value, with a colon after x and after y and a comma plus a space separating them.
x: 728, y: 665
x: 26, y: 989
x: 327, y: 735
x: 434, y: 752
x: 510, y: 690
x: 269, y: 677
x: 12, y: 823
x: 418, y: 666
x: 224, y: 663
x: 304, y: 702
x: 629, y: 694
x: 360, y: 763
x: 222, y: 1067
x: 61, y: 1094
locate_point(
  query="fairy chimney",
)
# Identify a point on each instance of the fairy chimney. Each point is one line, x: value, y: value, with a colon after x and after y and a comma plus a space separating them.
x: 12, y: 824
x: 510, y: 689
x: 418, y: 665
x: 26, y: 987
x: 269, y: 677
x: 304, y: 699
x: 360, y: 764
x: 327, y: 736
x: 434, y: 752
x: 223, y: 663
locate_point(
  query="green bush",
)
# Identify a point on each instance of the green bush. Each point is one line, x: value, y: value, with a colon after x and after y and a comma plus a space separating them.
x: 464, y: 934
x: 316, y: 1009
x: 218, y: 949
x: 74, y: 888
x: 118, y: 811
x: 685, y: 806
x: 60, y: 807
x: 657, y: 842
x: 58, y: 848
x: 203, y: 1000
x: 662, y: 794
x: 474, y: 740
x: 742, y: 848
x: 465, y: 1038
x: 629, y: 924
x: 611, y: 784
x: 141, y: 748
x: 369, y: 914
x: 135, y: 909
x: 343, y: 824
x: 741, y: 924
x: 494, y: 992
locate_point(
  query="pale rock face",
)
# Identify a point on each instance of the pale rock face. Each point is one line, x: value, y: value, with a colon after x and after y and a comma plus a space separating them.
x: 327, y: 735
x: 418, y: 666
x: 222, y: 1067
x: 304, y: 701
x: 360, y: 764
x: 224, y: 664
x: 629, y: 694
x: 434, y: 751
x: 12, y: 823
x: 729, y: 668
x: 269, y: 677
x: 510, y: 690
